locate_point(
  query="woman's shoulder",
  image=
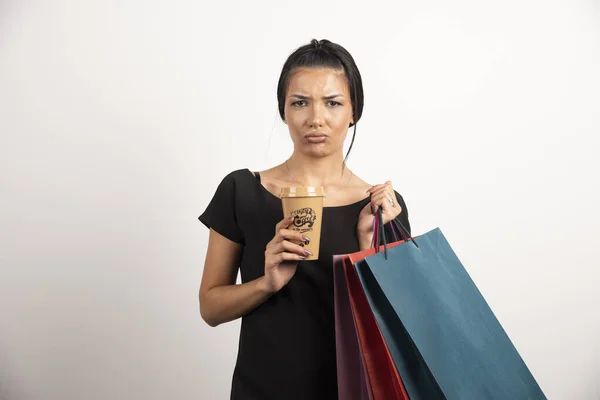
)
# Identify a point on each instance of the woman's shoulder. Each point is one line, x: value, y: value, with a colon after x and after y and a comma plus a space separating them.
x: 353, y: 191
x: 233, y: 181
x: 360, y: 184
x: 237, y: 177
x: 366, y: 186
x: 247, y: 178
x: 242, y: 173
x: 273, y: 179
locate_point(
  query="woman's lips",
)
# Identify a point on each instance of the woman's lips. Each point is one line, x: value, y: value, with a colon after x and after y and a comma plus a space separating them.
x: 316, y: 139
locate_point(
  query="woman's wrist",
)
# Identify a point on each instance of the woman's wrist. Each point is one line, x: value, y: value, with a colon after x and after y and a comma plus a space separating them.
x: 263, y: 287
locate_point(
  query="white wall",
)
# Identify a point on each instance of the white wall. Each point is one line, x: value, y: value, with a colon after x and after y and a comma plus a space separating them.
x: 119, y: 118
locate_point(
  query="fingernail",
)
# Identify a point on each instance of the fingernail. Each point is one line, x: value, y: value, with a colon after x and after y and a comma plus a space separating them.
x: 302, y: 258
x: 305, y: 239
x: 308, y: 252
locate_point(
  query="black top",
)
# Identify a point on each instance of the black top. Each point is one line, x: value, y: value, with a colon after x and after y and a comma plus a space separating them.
x: 287, y: 344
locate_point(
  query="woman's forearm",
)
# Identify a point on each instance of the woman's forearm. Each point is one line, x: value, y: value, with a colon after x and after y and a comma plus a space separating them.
x: 364, y: 240
x: 226, y: 303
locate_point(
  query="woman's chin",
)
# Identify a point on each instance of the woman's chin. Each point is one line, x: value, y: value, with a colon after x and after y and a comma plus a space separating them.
x: 317, y: 151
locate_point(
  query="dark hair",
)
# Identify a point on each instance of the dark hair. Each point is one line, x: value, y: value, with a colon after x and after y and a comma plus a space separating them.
x: 323, y: 53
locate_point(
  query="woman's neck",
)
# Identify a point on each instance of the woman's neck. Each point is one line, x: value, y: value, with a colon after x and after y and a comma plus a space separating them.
x: 317, y: 171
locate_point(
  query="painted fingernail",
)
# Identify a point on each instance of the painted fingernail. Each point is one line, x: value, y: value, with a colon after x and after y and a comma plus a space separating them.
x: 308, y: 252
x: 305, y: 239
x: 302, y: 258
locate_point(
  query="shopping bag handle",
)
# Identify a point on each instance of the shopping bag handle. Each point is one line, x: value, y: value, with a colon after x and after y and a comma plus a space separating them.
x: 396, y: 231
x: 397, y: 224
x: 399, y: 231
x: 379, y: 232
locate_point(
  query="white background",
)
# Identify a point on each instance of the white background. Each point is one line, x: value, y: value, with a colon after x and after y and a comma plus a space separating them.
x: 119, y: 118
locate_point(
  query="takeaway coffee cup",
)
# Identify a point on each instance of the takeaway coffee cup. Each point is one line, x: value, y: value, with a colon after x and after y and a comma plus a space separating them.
x: 305, y: 204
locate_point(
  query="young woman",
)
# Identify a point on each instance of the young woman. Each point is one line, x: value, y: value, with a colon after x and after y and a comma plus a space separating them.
x: 287, y: 339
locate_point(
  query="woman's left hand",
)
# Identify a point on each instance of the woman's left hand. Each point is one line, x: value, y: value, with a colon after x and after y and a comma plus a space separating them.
x: 381, y: 196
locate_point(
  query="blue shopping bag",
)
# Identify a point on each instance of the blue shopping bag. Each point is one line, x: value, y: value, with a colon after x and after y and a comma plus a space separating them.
x: 422, y: 295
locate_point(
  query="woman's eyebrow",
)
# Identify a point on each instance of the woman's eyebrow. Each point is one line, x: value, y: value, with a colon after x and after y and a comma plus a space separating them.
x: 302, y: 97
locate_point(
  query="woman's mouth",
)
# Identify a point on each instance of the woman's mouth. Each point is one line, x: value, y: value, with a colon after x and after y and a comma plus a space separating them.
x: 316, y: 138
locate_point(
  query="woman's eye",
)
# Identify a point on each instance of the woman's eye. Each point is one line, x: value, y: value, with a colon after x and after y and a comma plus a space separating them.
x: 302, y: 103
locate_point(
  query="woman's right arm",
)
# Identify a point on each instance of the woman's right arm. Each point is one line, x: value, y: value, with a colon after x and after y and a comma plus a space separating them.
x: 221, y: 299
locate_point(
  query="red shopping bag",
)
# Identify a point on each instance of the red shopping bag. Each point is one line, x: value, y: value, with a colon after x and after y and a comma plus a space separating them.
x: 365, y: 367
x: 385, y: 381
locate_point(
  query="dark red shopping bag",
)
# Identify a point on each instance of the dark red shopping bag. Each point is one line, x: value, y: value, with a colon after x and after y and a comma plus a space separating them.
x: 353, y: 382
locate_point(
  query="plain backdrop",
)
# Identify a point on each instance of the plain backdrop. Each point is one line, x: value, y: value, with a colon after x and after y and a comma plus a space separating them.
x: 118, y: 119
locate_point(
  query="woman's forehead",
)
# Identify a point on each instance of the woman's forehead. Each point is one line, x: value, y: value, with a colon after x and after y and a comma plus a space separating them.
x: 318, y: 80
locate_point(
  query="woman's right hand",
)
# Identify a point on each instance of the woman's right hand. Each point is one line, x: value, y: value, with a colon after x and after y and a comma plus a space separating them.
x: 282, y: 256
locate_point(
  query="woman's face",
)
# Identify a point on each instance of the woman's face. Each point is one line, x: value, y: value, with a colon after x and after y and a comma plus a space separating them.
x: 318, y: 111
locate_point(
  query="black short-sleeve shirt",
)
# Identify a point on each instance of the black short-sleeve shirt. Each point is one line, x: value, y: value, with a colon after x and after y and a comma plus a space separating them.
x: 287, y: 344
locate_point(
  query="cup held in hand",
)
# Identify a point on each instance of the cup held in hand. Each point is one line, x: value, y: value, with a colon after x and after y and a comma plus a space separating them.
x: 305, y: 204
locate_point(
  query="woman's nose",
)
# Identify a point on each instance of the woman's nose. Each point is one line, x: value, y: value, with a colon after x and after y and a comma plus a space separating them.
x: 316, y: 117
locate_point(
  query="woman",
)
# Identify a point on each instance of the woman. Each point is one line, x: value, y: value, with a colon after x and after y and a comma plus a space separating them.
x: 287, y: 339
